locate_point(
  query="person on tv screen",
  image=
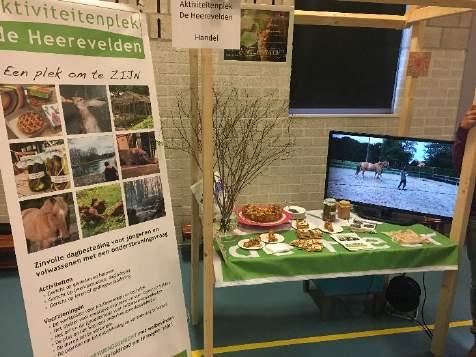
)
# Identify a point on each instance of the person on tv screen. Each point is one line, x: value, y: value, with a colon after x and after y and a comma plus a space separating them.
x: 467, y: 123
x: 403, y: 178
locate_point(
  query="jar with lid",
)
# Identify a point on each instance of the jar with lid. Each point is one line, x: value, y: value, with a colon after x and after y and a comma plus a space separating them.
x: 57, y: 167
x: 343, y: 209
x: 35, y: 170
x: 329, y: 210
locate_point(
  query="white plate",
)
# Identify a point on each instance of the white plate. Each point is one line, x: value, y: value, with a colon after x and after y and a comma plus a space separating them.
x: 299, y: 214
x: 364, y: 220
x: 337, y: 229
x: 316, y: 216
x: 408, y: 245
x: 311, y: 225
x: 411, y: 245
x: 264, y: 238
x: 256, y: 247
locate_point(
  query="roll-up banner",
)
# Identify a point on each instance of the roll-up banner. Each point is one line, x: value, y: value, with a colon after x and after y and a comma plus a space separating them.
x: 85, y: 181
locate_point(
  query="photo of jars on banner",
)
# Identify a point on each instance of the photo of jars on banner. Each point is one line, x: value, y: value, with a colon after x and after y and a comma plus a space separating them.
x: 264, y: 36
x: 40, y: 167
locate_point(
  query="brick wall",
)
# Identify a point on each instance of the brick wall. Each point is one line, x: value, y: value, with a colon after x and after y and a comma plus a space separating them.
x: 300, y: 179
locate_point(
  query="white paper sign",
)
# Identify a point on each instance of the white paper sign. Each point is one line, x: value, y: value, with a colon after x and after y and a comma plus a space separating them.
x: 206, y: 23
x: 86, y: 183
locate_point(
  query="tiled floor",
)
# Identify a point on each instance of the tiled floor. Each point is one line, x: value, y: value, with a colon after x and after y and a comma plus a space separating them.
x: 275, y: 312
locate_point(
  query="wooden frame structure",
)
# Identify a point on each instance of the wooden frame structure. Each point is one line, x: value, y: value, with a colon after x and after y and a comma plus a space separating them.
x: 418, y: 11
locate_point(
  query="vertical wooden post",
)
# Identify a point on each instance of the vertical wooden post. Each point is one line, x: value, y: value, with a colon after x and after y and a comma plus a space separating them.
x: 457, y: 234
x: 207, y: 217
x: 462, y: 208
x: 195, y: 176
x: 407, y: 108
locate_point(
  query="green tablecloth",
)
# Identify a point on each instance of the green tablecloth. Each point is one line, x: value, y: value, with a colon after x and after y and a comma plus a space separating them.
x: 238, y: 266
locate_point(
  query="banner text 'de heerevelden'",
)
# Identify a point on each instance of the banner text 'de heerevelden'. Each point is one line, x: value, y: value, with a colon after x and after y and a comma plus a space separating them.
x: 60, y: 39
x: 62, y: 11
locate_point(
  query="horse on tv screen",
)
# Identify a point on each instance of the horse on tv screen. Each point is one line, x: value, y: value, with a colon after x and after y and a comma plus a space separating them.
x: 406, y: 174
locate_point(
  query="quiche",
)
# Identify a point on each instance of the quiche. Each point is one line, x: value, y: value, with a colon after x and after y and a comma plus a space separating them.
x: 406, y: 236
x: 262, y: 214
x: 30, y: 122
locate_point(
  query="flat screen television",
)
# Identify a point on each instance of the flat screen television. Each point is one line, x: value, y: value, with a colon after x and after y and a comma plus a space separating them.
x: 396, y: 174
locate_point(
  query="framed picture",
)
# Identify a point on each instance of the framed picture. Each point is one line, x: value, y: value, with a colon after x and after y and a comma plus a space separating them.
x: 266, y: 34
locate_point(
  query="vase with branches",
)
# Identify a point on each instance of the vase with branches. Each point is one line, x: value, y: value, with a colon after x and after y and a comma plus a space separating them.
x: 249, y: 134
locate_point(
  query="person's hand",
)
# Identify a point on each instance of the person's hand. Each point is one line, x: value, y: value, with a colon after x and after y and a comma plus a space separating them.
x: 469, y: 119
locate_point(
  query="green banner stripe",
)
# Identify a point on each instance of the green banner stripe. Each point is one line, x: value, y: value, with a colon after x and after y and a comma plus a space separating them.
x: 182, y: 354
x: 343, y: 261
x: 68, y: 40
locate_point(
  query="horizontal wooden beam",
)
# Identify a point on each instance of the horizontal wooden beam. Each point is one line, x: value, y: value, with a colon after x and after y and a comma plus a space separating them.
x: 471, y: 4
x: 326, y: 18
x: 432, y: 12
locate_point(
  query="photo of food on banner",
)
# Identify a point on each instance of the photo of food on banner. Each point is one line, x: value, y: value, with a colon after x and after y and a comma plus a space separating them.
x: 49, y: 221
x: 30, y: 110
x: 264, y: 36
x: 86, y: 109
x: 131, y: 107
x: 40, y: 166
x: 138, y: 154
x: 101, y: 209
x: 144, y: 200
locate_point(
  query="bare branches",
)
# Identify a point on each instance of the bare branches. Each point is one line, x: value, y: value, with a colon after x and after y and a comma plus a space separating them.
x: 250, y: 133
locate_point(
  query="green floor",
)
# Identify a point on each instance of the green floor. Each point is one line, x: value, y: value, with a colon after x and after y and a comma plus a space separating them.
x: 275, y: 312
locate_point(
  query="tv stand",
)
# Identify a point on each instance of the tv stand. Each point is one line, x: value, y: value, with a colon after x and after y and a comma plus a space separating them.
x: 387, y: 215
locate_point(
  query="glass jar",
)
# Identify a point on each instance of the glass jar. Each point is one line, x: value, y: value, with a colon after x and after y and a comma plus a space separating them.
x: 329, y: 210
x: 57, y: 167
x: 343, y: 209
x: 36, y: 172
